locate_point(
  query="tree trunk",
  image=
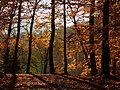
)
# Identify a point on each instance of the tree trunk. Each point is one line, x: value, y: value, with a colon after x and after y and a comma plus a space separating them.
x: 105, y: 41
x: 6, y: 62
x: 46, y: 61
x: 65, y: 57
x: 114, y: 66
x: 92, y: 51
x: 30, y: 40
x: 14, y: 66
x: 52, y: 37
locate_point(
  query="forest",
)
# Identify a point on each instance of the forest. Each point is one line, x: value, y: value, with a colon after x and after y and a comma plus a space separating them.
x: 73, y: 39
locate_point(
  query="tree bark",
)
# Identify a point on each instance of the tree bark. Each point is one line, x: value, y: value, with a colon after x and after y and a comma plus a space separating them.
x: 92, y: 51
x: 105, y: 41
x: 52, y: 37
x: 6, y: 62
x: 30, y: 39
x: 65, y: 56
x: 114, y: 66
x: 46, y: 61
x: 14, y: 66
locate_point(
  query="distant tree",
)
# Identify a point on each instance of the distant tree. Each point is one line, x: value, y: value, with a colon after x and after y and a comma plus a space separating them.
x: 52, y: 37
x: 46, y: 61
x: 76, y: 23
x: 75, y: 6
x: 105, y: 61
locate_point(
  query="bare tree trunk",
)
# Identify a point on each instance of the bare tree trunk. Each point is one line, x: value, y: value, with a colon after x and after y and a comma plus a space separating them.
x: 46, y: 62
x: 114, y: 66
x: 65, y: 57
x: 14, y: 66
x: 30, y: 39
x: 52, y: 37
x: 6, y: 62
x: 92, y: 51
x: 105, y: 41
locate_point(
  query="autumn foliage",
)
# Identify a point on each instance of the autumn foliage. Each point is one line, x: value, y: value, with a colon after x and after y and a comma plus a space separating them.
x: 28, y: 24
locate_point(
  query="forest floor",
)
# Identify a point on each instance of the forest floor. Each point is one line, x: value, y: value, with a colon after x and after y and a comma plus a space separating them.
x: 56, y: 82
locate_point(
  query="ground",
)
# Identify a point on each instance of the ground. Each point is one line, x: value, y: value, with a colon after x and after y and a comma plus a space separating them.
x: 56, y: 82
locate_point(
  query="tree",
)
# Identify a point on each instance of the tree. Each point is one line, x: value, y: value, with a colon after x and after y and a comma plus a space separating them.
x: 14, y: 65
x: 30, y: 38
x: 65, y: 57
x: 6, y: 62
x: 76, y: 24
x: 105, y: 40
x: 92, y: 51
x: 52, y: 37
x: 46, y: 61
